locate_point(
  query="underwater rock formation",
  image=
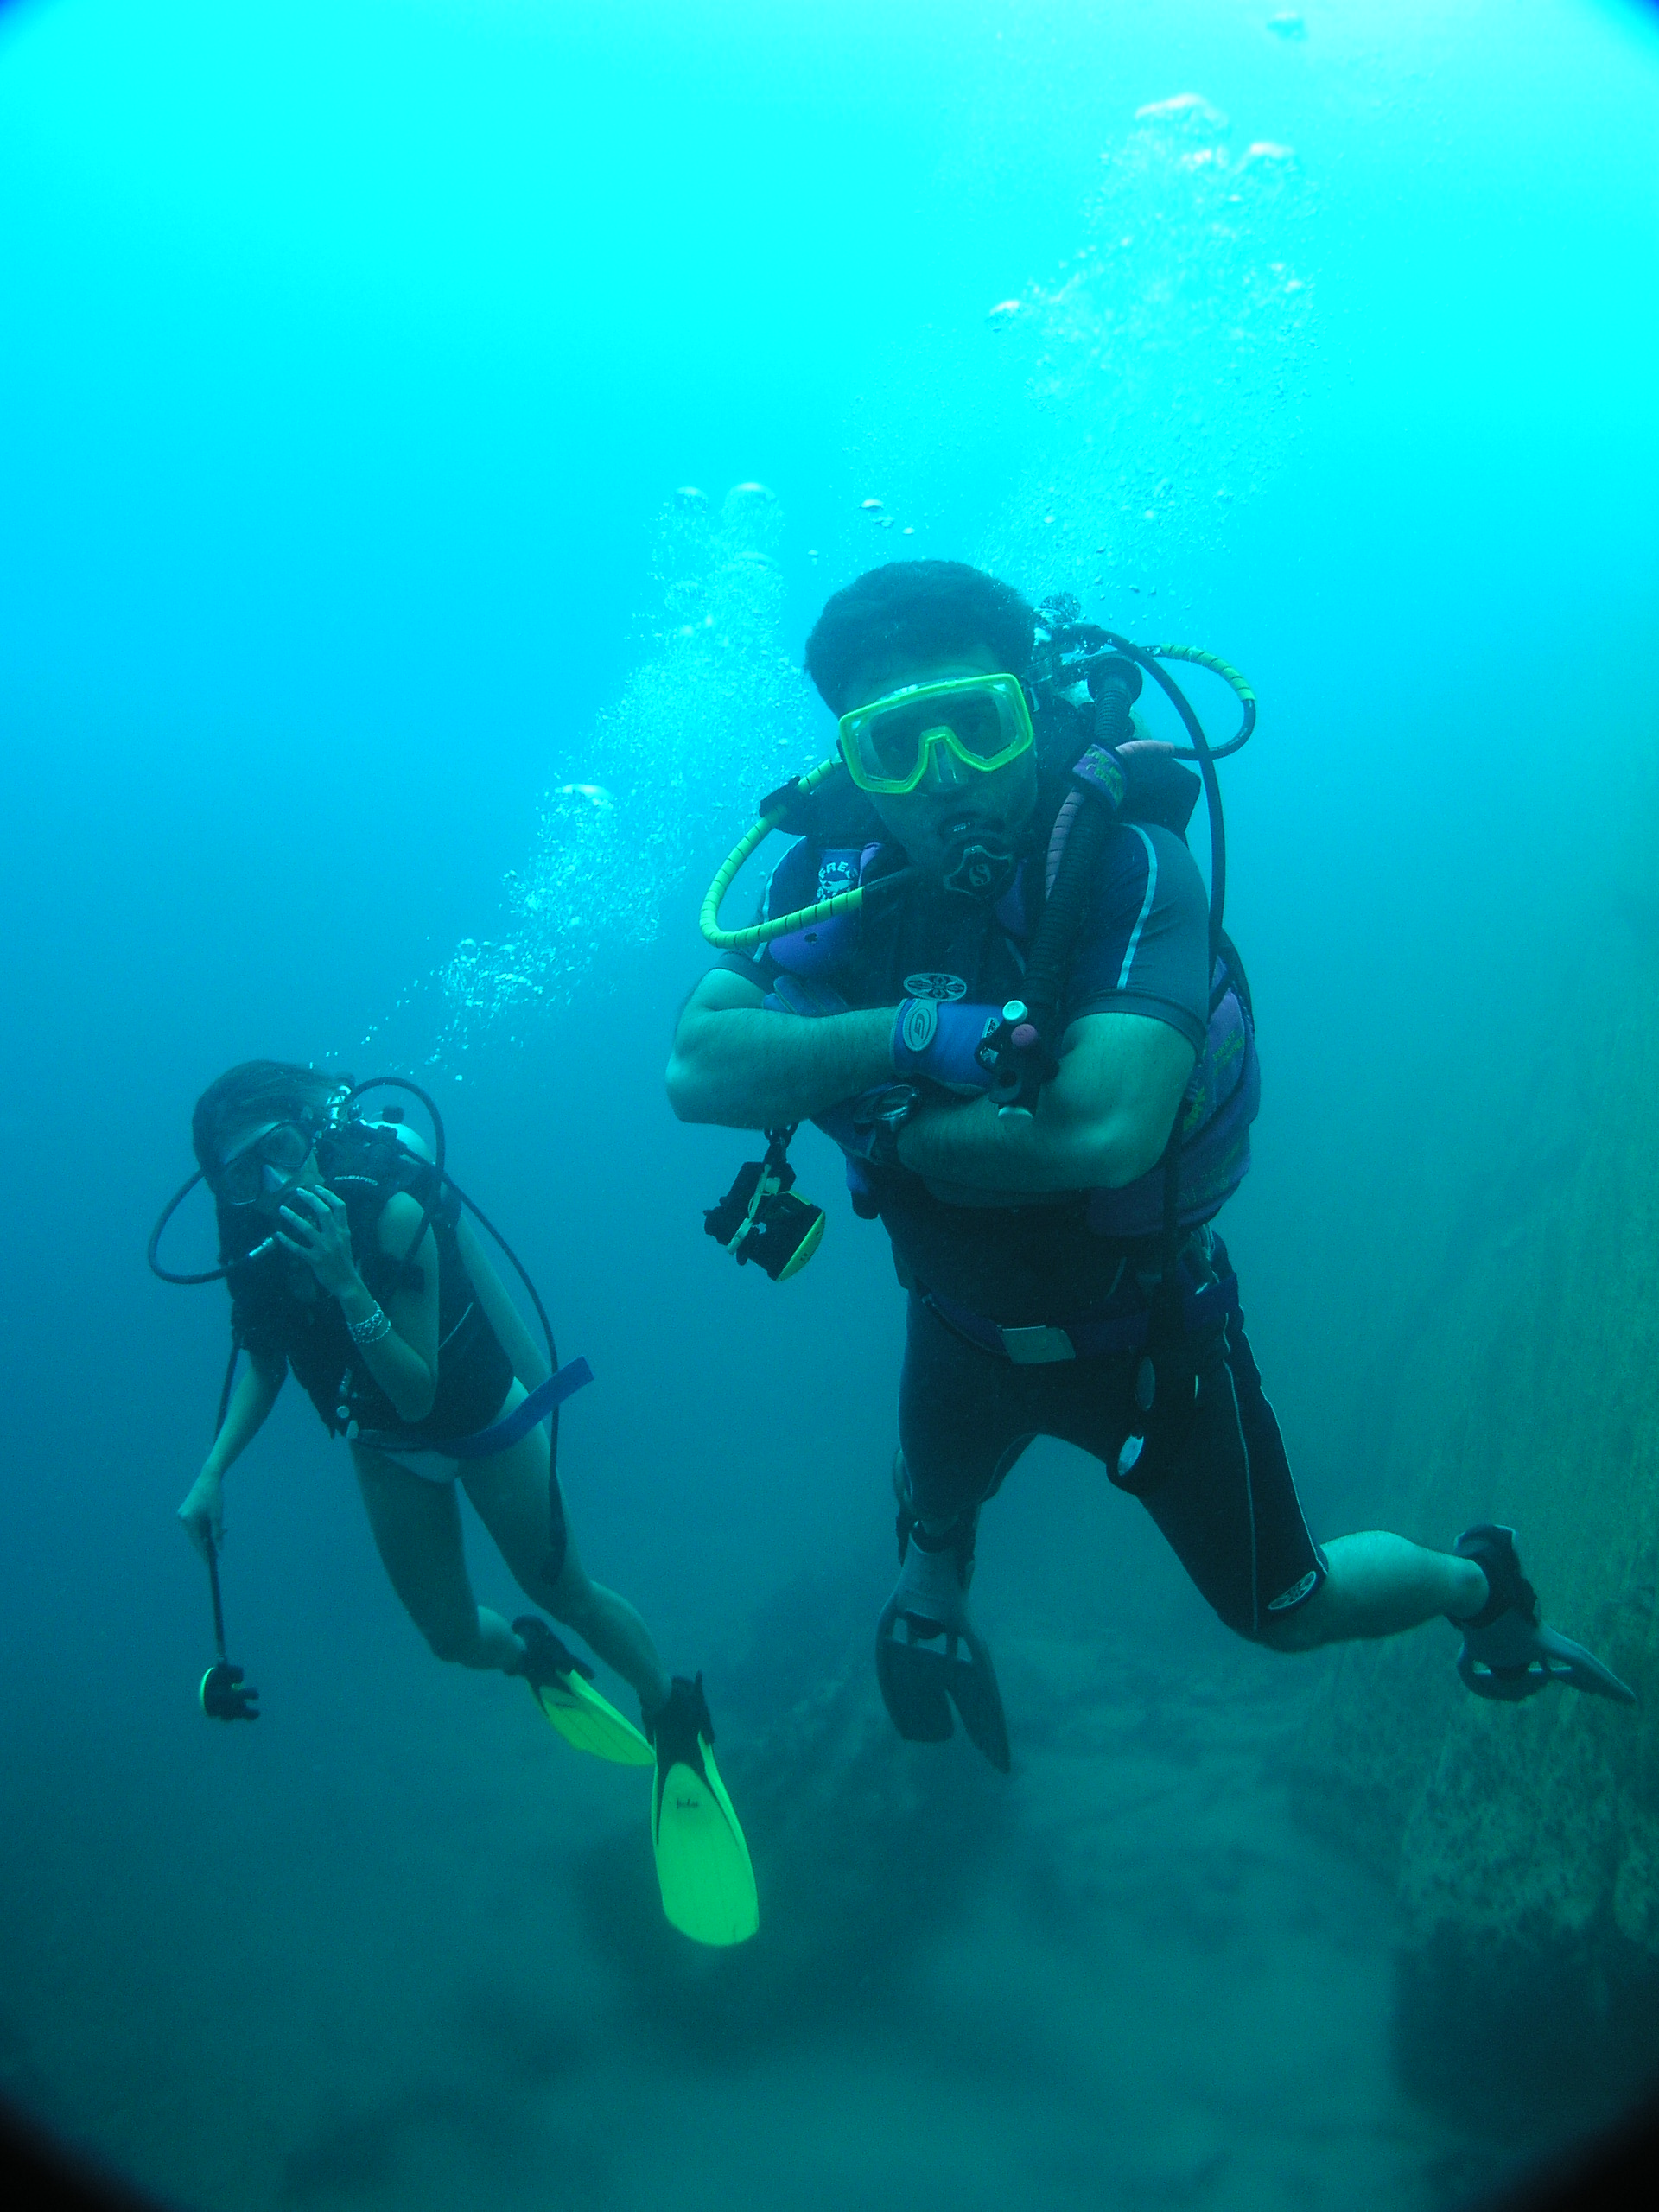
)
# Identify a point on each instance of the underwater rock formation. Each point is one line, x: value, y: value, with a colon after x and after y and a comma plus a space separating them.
x: 1525, y: 1838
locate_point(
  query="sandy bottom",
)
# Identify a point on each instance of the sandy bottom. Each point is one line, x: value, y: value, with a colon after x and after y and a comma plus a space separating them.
x: 423, y: 1969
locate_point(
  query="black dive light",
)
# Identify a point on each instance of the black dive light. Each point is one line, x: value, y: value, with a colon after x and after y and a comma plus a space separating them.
x: 761, y: 1218
x: 224, y: 1691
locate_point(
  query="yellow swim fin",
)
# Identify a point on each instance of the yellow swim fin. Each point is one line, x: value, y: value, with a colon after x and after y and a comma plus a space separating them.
x: 703, y: 1862
x: 581, y: 1716
x: 592, y: 1723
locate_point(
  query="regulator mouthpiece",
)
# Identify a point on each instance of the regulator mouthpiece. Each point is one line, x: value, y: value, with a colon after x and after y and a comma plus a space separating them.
x: 979, y: 864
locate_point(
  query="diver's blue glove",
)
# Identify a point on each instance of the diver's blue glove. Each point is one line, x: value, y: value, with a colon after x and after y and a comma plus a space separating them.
x: 947, y: 1041
x: 867, y: 1128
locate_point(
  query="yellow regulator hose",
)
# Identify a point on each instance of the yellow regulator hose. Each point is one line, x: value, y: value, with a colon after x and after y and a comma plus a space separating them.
x: 844, y: 902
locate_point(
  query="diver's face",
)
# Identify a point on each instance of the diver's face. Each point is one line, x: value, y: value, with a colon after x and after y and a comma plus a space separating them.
x: 953, y: 803
x: 268, y: 1165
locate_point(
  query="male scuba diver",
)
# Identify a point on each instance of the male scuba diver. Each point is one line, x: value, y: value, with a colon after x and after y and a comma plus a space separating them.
x: 988, y: 968
x: 351, y: 1262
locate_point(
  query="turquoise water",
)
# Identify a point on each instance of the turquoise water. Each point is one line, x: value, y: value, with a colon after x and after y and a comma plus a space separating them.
x: 359, y: 365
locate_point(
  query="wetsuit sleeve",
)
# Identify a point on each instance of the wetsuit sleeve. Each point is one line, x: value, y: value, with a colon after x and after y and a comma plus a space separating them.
x: 1144, y: 946
x: 753, y: 967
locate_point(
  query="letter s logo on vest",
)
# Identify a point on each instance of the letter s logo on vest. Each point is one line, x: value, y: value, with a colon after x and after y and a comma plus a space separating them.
x: 931, y: 985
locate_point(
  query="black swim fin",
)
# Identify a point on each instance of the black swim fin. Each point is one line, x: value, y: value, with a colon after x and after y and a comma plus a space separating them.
x: 929, y: 1656
x: 1506, y: 1653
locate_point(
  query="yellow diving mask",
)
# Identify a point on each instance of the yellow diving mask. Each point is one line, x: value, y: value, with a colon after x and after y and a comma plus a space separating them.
x: 889, y: 746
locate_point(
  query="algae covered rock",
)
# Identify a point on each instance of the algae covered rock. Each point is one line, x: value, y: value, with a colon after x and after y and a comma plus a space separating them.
x: 1525, y: 1838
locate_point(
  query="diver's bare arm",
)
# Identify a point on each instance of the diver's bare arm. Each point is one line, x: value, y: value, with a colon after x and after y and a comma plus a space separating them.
x: 1104, y: 1119
x: 203, y: 1510
x: 737, y: 1064
x: 252, y: 1400
x: 405, y: 1362
x: 402, y: 1359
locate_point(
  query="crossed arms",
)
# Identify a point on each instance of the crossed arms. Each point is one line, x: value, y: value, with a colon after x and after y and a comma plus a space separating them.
x: 1104, y: 1119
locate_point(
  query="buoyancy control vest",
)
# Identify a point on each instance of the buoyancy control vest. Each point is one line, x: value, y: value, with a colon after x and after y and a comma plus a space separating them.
x: 366, y: 1165
x: 1223, y: 1092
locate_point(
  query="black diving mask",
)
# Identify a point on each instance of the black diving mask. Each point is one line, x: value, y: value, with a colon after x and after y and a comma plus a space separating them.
x: 266, y: 1170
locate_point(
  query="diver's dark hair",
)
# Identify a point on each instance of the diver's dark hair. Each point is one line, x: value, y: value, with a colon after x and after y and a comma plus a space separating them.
x: 276, y: 1090
x: 930, y: 610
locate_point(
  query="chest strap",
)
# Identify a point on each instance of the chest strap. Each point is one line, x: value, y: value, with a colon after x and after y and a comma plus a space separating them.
x: 1046, y: 1344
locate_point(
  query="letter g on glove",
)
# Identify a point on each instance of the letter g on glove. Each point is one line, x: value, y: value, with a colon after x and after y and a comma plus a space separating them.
x: 946, y: 1041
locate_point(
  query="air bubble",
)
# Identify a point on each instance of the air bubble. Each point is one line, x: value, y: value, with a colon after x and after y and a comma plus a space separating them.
x: 689, y: 743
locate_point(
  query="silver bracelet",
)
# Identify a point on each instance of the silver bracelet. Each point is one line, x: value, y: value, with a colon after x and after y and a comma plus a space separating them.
x: 371, y: 1328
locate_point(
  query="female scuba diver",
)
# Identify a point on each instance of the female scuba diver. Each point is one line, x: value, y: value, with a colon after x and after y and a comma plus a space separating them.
x: 350, y: 1262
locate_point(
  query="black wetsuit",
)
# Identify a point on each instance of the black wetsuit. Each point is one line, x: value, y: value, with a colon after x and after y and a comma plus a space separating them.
x: 1225, y: 1500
